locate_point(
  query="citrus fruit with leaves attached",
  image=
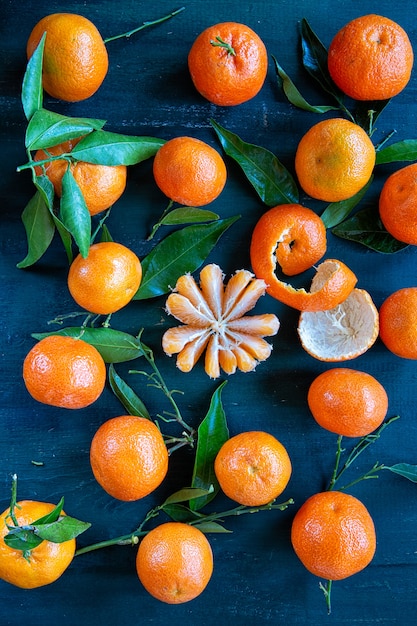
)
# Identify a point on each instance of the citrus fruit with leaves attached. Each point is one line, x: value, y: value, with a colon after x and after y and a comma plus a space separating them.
x: 107, y: 279
x: 348, y: 402
x: 214, y: 320
x: 334, y: 160
x: 333, y: 535
x: 189, y: 171
x: 100, y: 185
x: 253, y: 468
x: 295, y: 234
x: 371, y: 58
x: 174, y: 562
x: 228, y: 63
x: 75, y: 60
x: 398, y: 204
x: 64, y: 372
x: 343, y: 332
x: 397, y: 322
x: 45, y: 563
x: 128, y: 457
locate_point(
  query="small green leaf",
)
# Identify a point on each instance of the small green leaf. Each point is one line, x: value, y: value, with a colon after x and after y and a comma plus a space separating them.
x: 188, y: 215
x: 401, y: 151
x: 181, y: 252
x: 52, y: 516
x: 32, y: 90
x: 63, y: 529
x: 106, y: 148
x: 365, y: 227
x: 39, y: 227
x: 188, y: 493
x: 74, y: 213
x: 404, y: 469
x: 46, y: 189
x: 367, y: 112
x: 65, y: 237
x: 22, y: 539
x: 336, y: 212
x: 293, y: 94
x: 105, y: 234
x: 130, y: 401
x: 211, y: 527
x: 180, y: 513
x: 212, y: 434
x: 47, y: 129
x: 270, y: 179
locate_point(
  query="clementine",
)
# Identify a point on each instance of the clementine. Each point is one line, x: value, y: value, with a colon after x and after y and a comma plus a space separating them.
x: 64, y: 372
x: 107, y: 279
x: 189, y: 171
x: 253, y: 468
x: 128, y: 457
x: 398, y: 204
x: 334, y: 160
x: 174, y: 562
x: 228, y: 63
x: 45, y: 563
x: 333, y: 535
x: 75, y: 60
x: 371, y: 58
x: 397, y: 322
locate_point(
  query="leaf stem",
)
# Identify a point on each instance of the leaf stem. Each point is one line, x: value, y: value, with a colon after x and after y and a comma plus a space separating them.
x: 159, y: 222
x: 145, y: 25
x: 327, y: 589
x: 223, y: 44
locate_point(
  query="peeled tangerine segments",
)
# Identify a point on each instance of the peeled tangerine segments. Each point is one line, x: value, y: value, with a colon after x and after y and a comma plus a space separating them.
x: 290, y: 234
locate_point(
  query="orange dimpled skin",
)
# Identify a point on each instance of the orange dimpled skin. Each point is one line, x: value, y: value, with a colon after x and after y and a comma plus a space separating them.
x: 75, y: 60
x: 347, y: 402
x: 253, y: 468
x: 371, y: 58
x: 228, y: 63
x: 189, y: 171
x: 398, y: 204
x: 128, y: 457
x: 64, y: 372
x: 333, y: 535
x: 107, y: 279
x: 174, y: 562
x: 397, y: 323
x: 46, y: 563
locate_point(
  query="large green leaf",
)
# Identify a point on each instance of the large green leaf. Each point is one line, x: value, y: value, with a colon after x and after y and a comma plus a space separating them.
x: 401, y: 151
x: 106, y: 148
x: 39, y: 227
x: 32, y: 90
x: 47, y: 129
x: 74, y: 213
x: 336, y: 212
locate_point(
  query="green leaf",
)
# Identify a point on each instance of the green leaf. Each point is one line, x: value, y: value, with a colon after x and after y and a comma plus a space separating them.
x: 32, y: 90
x: 74, y: 213
x: 314, y: 56
x: 404, y: 469
x: 39, y: 227
x: 212, y: 434
x: 188, y: 215
x: 63, y: 529
x: 181, y: 252
x: 47, y: 129
x: 293, y: 94
x: 46, y: 189
x: 188, y: 493
x: 115, y: 346
x: 105, y: 234
x: 106, y: 148
x: 130, y: 401
x: 401, y: 151
x: 270, y: 179
x: 336, y: 212
x: 65, y: 237
x: 180, y: 513
x: 211, y: 527
x: 52, y: 516
x: 366, y: 228
x: 367, y: 112
x: 22, y: 539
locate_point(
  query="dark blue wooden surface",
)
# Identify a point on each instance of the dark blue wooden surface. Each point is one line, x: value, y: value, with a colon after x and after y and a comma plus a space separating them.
x: 257, y: 578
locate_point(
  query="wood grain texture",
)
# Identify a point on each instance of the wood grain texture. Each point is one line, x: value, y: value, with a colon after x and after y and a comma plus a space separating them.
x: 257, y: 578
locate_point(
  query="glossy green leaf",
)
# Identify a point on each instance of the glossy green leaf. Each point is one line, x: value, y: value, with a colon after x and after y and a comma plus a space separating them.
x: 270, y: 179
x: 401, y: 151
x: 63, y: 529
x: 46, y: 189
x: 188, y: 215
x: 129, y: 399
x: 32, y: 90
x: 106, y: 148
x: 181, y: 252
x: 39, y: 227
x: 336, y: 212
x: 47, y: 129
x: 65, y: 235
x: 212, y: 434
x: 188, y: 493
x: 366, y: 228
x: 180, y: 513
x: 22, y: 539
x: 74, y: 213
x: 52, y: 516
x: 115, y: 346
x: 406, y: 470
x: 294, y: 96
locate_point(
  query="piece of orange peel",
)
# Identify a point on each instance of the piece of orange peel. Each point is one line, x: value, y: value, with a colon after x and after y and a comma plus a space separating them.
x: 214, y: 320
